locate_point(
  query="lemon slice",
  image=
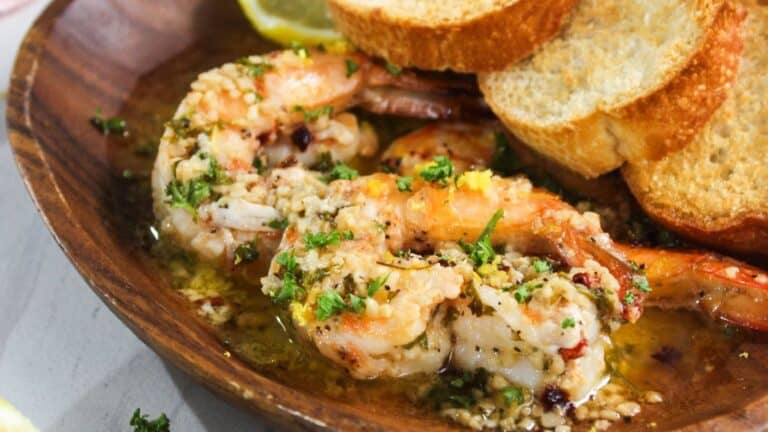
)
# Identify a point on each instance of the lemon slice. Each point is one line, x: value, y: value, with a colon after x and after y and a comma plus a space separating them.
x: 13, y: 421
x: 286, y: 22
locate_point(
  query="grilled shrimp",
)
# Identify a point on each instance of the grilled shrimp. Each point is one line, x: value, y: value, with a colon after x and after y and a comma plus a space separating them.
x: 720, y: 287
x: 209, y: 188
x: 369, y: 267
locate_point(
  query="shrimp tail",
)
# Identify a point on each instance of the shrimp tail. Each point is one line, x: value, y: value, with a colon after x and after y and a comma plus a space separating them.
x: 720, y: 287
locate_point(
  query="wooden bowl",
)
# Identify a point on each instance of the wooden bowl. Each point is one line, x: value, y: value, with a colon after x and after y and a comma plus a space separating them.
x: 136, y: 58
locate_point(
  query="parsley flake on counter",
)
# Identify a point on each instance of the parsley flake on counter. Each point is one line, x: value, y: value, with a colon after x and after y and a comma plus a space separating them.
x: 256, y: 70
x: 482, y: 251
x: 568, y: 323
x: 246, y: 253
x: 321, y: 239
x: 352, y: 67
x: 109, y: 126
x: 141, y: 423
x: 341, y: 171
x: 439, y: 171
x: 404, y: 183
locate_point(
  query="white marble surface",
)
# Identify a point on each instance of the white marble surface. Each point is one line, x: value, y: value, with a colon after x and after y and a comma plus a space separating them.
x: 65, y: 360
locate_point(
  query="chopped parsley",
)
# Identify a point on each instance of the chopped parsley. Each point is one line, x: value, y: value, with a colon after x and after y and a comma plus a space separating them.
x: 188, y: 195
x: 352, y: 67
x: 278, y: 224
x: 356, y: 304
x: 260, y: 165
x: 629, y: 298
x: 568, y: 323
x: 404, y: 183
x: 290, y: 289
x: 482, y: 251
x: 329, y: 303
x: 321, y: 239
x: 141, y: 423
x: 439, y: 171
x: 299, y: 49
x: 458, y: 389
x: 255, y: 69
x: 392, y: 69
x: 246, y: 253
x: 374, y: 285
x: 523, y: 292
x: 641, y: 283
x: 181, y: 126
x: 541, y: 265
x: 314, y: 114
x: 513, y: 395
x: 324, y: 163
x: 341, y: 171
x: 109, y: 126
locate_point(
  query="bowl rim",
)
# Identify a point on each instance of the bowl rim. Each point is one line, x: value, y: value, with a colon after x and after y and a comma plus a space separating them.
x: 277, y: 402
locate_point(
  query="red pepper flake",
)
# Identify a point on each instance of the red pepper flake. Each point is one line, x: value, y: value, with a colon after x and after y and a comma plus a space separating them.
x: 575, y: 352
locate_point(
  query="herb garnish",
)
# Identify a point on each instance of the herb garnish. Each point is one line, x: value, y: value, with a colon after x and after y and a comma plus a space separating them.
x: 290, y: 289
x: 404, y: 183
x: 352, y: 67
x: 256, y: 70
x: 629, y: 298
x: 278, y: 224
x: 641, y: 283
x: 439, y: 171
x: 568, y: 322
x: 314, y: 114
x: 458, y: 388
x: 374, y: 285
x: 109, y: 126
x: 329, y: 303
x: 523, y: 292
x: 513, y: 395
x: 190, y: 194
x: 392, y: 69
x: 321, y: 239
x: 482, y: 251
x: 341, y: 171
x: 141, y: 423
x: 541, y: 265
x: 246, y: 253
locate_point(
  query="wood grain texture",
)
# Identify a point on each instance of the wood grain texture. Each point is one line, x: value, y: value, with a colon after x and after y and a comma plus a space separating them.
x: 136, y: 57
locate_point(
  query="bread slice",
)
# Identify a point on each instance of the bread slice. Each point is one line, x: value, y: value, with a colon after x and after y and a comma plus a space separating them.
x: 715, y: 190
x: 626, y: 80
x: 461, y: 35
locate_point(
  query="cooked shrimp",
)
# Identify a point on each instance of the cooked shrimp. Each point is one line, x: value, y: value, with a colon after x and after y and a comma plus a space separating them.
x: 721, y: 287
x: 346, y: 238
x: 285, y: 107
x: 468, y: 145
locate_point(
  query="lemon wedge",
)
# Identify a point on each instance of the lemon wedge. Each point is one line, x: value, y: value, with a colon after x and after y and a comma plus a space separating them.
x: 13, y: 421
x: 287, y: 22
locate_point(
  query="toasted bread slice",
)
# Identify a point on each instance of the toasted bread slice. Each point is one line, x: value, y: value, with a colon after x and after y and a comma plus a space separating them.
x: 715, y: 190
x: 626, y: 80
x: 461, y: 35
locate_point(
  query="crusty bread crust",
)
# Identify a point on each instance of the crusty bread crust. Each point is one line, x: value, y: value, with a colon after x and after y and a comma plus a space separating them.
x: 649, y: 127
x: 486, y: 42
x: 712, y: 191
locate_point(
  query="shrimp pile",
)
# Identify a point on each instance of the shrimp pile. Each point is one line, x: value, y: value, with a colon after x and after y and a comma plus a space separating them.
x: 438, y: 263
